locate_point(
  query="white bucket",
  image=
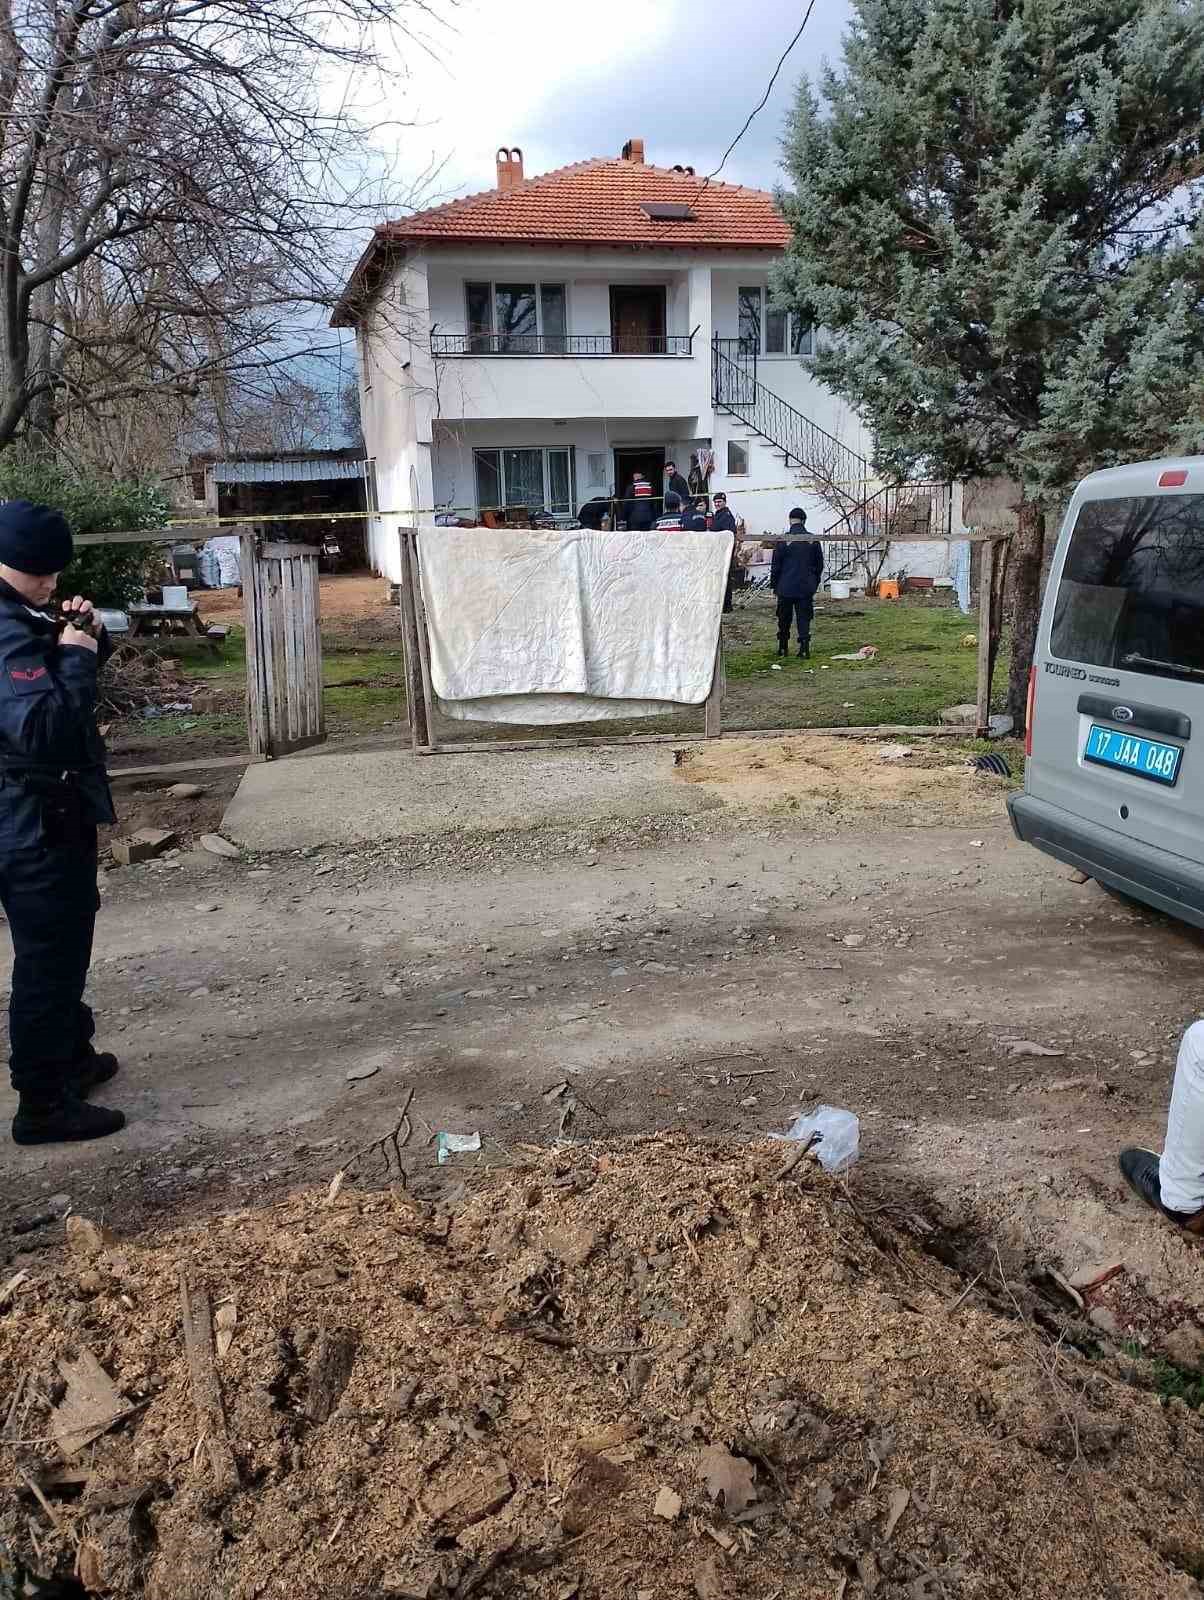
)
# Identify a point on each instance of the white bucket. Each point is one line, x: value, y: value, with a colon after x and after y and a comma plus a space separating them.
x: 175, y: 595
x: 839, y: 589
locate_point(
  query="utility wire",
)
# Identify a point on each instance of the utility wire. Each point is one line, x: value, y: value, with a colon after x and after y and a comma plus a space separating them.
x: 760, y: 105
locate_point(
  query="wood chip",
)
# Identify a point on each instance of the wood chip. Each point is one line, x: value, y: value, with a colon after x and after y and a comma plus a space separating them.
x: 90, y: 1407
x: 225, y: 1320
x: 86, y: 1240
x: 206, y: 1386
x: 897, y: 1503
x: 8, y: 1290
x: 329, y: 1373
x: 728, y: 1478
x: 667, y: 1504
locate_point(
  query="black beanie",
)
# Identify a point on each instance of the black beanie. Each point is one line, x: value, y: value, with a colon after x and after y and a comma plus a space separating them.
x: 34, y: 539
x: 798, y: 515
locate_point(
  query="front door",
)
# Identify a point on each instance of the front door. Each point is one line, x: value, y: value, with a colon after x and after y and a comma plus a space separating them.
x: 650, y: 462
x: 637, y: 320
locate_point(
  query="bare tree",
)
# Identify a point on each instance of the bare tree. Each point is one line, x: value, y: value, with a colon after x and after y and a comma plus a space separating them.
x: 174, y: 195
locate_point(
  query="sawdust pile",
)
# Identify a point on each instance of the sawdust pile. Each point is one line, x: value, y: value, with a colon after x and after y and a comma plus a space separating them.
x: 654, y: 1369
x: 838, y: 778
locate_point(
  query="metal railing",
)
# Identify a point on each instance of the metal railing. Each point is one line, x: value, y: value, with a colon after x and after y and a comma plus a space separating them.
x: 897, y: 512
x: 870, y: 517
x: 844, y: 475
x: 562, y: 344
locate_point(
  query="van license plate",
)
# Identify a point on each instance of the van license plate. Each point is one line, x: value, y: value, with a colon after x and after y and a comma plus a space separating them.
x: 1145, y: 758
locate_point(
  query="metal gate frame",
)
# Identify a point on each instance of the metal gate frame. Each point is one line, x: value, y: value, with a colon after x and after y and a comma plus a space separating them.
x: 284, y: 647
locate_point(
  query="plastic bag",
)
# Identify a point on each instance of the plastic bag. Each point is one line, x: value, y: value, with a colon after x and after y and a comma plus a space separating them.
x: 839, y: 1136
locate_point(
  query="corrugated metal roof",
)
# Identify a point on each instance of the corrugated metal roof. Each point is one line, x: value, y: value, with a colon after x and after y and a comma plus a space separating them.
x: 320, y: 471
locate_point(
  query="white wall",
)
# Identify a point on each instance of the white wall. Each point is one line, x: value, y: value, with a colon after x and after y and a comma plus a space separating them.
x: 394, y: 356
x: 422, y: 417
x: 787, y: 376
x: 455, y: 474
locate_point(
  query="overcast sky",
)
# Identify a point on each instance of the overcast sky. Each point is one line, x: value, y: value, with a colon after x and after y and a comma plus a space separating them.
x: 565, y: 82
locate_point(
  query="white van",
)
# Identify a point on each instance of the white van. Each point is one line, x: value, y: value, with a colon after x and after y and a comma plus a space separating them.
x: 1114, y: 783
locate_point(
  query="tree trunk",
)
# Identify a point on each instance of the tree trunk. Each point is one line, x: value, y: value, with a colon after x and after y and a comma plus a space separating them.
x: 1025, y: 562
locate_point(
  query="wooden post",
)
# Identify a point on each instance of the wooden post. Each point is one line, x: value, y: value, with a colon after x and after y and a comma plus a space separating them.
x: 713, y: 713
x: 986, y: 618
x: 257, y: 710
x: 420, y: 733
x: 424, y: 639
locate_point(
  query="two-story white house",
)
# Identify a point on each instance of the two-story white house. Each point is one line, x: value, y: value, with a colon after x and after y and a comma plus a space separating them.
x: 536, y: 344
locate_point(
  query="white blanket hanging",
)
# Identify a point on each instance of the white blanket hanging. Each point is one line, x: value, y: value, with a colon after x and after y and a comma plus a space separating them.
x: 534, y: 626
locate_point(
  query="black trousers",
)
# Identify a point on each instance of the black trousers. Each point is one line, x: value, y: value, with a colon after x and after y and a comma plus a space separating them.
x: 802, y: 612
x: 50, y: 898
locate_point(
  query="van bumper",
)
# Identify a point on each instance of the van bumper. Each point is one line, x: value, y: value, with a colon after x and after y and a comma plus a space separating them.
x: 1168, y: 883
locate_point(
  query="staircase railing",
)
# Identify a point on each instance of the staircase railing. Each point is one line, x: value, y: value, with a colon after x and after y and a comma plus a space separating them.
x: 869, y: 518
x: 843, y: 476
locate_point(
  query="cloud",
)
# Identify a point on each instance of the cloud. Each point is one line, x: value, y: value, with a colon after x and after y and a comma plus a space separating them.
x: 566, y: 82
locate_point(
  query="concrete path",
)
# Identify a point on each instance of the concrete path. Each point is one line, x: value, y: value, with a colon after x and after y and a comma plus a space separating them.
x: 356, y: 799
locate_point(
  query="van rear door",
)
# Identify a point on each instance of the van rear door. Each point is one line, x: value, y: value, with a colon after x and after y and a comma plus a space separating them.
x: 1118, y: 729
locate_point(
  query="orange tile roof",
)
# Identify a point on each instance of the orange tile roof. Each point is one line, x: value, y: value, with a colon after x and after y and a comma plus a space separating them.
x: 593, y: 202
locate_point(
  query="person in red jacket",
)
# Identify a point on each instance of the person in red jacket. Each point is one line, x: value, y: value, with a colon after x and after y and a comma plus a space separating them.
x: 640, y: 505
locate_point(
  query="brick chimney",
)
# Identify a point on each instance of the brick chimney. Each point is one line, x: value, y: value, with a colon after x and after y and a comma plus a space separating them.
x: 509, y: 167
x: 633, y: 151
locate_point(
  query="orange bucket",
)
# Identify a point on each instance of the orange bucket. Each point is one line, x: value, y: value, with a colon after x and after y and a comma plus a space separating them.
x: 888, y: 588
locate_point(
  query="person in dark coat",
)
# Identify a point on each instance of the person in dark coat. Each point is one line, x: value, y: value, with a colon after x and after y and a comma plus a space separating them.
x: 640, y: 507
x: 694, y: 517
x: 798, y: 565
x: 675, y: 483
x: 53, y: 792
x: 723, y: 521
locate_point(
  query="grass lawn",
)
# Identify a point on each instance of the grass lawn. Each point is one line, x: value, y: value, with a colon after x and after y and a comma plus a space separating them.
x: 922, y: 666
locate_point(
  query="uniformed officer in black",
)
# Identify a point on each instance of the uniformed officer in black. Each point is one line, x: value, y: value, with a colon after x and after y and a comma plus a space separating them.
x: 53, y: 793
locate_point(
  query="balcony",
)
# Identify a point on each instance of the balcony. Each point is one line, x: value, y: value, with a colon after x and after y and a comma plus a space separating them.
x: 562, y: 344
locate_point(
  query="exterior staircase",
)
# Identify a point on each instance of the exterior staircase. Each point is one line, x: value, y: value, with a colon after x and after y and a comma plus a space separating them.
x: 869, y: 513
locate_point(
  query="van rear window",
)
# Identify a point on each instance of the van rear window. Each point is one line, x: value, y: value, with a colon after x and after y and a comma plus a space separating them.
x: 1132, y: 591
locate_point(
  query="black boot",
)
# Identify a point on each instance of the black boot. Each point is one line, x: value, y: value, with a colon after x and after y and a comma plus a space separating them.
x: 783, y: 647
x: 1139, y: 1168
x: 65, y: 1120
x: 92, y: 1069
x: 804, y: 649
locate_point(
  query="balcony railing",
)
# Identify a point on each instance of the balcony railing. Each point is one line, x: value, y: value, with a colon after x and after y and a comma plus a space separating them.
x: 562, y: 344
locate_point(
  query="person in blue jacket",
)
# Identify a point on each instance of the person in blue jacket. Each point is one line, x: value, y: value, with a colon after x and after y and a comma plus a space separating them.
x: 53, y: 792
x: 797, y: 567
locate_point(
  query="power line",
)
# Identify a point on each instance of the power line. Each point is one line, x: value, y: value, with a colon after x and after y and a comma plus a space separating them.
x: 760, y: 105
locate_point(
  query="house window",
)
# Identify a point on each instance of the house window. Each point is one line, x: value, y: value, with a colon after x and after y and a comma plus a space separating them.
x: 371, y: 490
x: 596, y: 465
x: 770, y: 330
x: 537, y: 479
x: 802, y: 336
x: 750, y: 320
x: 737, y: 459
x: 515, y: 318
x: 365, y: 362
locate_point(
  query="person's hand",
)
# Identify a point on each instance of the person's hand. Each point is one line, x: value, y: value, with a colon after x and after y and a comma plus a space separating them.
x: 78, y: 638
x: 79, y: 610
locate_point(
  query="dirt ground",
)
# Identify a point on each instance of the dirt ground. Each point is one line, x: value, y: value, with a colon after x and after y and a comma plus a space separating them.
x: 629, y: 1370
x: 713, y: 973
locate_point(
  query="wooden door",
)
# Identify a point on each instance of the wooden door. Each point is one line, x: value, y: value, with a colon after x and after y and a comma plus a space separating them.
x: 637, y: 320
x: 284, y: 647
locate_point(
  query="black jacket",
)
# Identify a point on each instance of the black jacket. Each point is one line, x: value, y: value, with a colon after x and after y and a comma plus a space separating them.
x: 798, y: 565
x: 724, y: 521
x: 48, y: 731
x: 679, y: 486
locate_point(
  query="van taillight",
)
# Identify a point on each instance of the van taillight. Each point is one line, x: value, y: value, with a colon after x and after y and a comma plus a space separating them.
x: 1029, y: 709
x: 1172, y: 480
